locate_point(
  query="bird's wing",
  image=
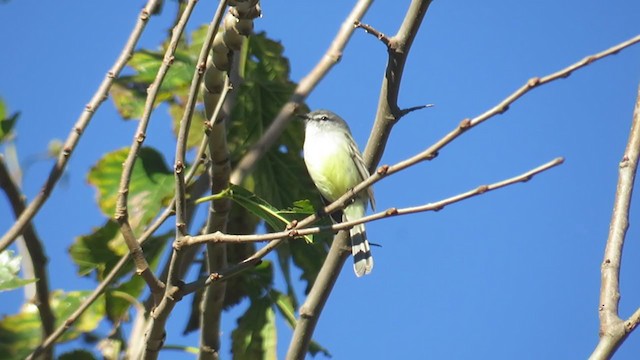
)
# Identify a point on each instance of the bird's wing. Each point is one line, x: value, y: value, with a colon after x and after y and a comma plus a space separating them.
x: 358, y: 161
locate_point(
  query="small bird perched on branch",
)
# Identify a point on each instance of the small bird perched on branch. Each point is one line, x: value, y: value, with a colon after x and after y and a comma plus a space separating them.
x: 336, y: 166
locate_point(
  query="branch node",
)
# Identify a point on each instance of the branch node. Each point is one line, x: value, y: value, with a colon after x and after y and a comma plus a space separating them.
x: 431, y: 156
x: 180, y: 242
x: 482, y: 189
x: 533, y: 82
x: 292, y: 224
x: 391, y: 211
x: 382, y: 170
x: 464, y: 124
x: 179, y: 167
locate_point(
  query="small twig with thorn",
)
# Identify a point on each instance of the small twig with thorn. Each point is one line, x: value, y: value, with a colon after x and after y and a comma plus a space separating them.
x: 371, y: 30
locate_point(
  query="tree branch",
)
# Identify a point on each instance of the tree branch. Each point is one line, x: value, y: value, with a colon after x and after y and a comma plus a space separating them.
x: 216, y: 254
x: 81, y: 124
x: 613, y: 330
x: 398, y: 50
x: 35, y: 254
x: 154, y: 336
x: 121, y: 212
x: 220, y: 237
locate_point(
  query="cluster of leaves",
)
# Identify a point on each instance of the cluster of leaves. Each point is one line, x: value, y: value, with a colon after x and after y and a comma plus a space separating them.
x: 271, y: 195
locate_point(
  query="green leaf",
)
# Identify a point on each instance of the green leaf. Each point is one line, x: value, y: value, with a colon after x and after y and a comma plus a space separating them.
x: 128, y: 100
x: 21, y: 333
x: 280, y: 178
x: 255, y: 336
x: 277, y: 219
x: 101, y: 250
x: 196, y: 132
x: 9, y: 269
x: 129, y: 93
x: 7, y: 122
x: 151, y: 184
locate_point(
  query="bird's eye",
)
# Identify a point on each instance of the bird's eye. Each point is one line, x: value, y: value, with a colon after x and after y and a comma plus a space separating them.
x: 324, y: 118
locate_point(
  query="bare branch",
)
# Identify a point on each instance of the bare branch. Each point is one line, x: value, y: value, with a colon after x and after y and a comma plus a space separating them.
x: 371, y: 30
x: 216, y: 254
x: 121, y: 212
x: 154, y: 336
x: 79, y: 127
x: 613, y: 330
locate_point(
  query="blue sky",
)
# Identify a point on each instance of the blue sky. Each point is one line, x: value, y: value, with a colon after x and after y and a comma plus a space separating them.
x: 511, y: 274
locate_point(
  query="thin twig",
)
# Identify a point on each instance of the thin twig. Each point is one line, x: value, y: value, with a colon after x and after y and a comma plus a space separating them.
x: 121, y: 212
x: 36, y: 255
x: 220, y: 237
x: 154, y: 335
x: 613, y: 330
x: 81, y: 124
x: 306, y: 85
x: 373, y: 31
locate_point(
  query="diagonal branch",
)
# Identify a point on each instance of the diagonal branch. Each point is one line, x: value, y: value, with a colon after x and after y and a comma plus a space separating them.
x: 121, y: 212
x: 81, y: 124
x: 36, y: 255
x: 154, y: 336
x: 614, y: 330
x: 220, y: 237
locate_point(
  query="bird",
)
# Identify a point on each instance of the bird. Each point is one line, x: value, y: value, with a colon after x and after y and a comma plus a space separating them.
x: 336, y: 166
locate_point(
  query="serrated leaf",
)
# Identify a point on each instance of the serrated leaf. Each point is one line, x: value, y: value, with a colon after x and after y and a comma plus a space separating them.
x: 255, y: 337
x: 21, y: 333
x: 147, y: 63
x: 151, y: 184
x: 9, y: 269
x: 129, y: 93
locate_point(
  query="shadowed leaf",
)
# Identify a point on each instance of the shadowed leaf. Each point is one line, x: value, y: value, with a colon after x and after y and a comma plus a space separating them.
x: 151, y: 184
x: 255, y: 336
x: 21, y: 333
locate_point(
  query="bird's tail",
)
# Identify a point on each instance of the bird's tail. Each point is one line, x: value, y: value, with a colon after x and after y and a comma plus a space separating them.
x: 360, y: 249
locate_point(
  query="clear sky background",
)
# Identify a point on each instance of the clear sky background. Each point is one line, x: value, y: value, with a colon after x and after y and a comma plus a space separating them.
x: 513, y: 274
